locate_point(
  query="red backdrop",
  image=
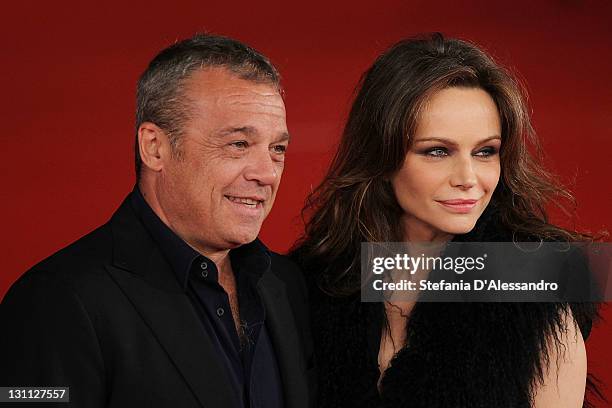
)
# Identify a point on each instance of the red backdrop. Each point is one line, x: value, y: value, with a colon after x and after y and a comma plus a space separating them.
x: 69, y: 71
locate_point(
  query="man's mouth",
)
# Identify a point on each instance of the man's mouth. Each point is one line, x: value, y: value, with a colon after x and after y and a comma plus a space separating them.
x: 251, y: 202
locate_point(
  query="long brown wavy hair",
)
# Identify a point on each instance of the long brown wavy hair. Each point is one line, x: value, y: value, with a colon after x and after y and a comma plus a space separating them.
x: 355, y: 202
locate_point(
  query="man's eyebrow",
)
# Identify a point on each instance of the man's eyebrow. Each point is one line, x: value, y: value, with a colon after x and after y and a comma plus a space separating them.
x: 251, y: 131
x: 247, y: 130
x: 284, y: 137
x: 453, y: 143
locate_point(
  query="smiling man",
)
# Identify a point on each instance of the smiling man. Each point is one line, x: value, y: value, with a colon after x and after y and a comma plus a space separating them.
x: 175, y: 302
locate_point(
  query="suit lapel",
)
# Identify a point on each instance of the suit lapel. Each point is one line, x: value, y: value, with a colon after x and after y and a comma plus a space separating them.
x: 282, y: 327
x: 146, y: 279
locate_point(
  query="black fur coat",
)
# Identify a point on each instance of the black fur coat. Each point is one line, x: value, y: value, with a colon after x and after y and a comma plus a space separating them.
x: 458, y: 354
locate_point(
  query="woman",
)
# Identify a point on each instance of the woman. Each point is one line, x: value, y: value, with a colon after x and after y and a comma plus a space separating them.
x: 436, y: 148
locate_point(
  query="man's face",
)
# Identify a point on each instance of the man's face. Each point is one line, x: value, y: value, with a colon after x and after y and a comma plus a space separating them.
x: 221, y: 186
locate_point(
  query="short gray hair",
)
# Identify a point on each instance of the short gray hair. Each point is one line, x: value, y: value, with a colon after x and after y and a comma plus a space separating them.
x: 159, y: 95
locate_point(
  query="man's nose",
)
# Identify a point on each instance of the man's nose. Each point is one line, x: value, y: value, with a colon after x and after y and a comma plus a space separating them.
x: 463, y: 174
x: 261, y: 168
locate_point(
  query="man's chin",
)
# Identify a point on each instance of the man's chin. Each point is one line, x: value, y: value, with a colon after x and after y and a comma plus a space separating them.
x: 239, y: 238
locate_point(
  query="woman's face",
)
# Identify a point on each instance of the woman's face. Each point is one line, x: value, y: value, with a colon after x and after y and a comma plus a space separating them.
x: 452, y: 167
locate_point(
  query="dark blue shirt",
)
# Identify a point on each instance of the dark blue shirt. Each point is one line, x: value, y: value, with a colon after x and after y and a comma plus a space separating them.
x: 249, y: 356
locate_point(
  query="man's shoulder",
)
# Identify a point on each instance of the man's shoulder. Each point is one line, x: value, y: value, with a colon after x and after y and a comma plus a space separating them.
x: 79, y: 265
x: 285, y: 267
x: 288, y: 271
x: 283, y: 262
x: 87, y: 256
x: 90, y: 250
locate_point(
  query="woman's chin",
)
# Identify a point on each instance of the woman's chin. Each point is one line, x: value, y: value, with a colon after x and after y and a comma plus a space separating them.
x: 458, y: 228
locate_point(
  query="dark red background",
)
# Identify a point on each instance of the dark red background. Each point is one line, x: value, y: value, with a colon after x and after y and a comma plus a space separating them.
x: 69, y: 72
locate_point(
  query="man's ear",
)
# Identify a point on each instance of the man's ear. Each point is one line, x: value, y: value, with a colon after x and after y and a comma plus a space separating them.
x: 153, y: 145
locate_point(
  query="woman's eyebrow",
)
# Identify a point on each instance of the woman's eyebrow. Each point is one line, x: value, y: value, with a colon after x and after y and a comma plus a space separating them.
x: 453, y: 143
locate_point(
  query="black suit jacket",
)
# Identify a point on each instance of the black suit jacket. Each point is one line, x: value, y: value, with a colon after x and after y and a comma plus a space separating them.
x: 106, y: 317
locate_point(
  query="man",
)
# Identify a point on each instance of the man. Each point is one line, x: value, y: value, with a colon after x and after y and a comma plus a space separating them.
x: 174, y: 302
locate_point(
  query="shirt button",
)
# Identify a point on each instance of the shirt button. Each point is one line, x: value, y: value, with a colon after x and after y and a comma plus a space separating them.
x: 220, y: 311
x: 204, y: 266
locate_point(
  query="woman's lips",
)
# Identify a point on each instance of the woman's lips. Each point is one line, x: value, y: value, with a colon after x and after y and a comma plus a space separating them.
x: 459, y: 206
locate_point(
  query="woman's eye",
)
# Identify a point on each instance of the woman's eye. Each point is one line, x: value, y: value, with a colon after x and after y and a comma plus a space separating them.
x: 240, y: 144
x: 486, y: 152
x: 436, y: 152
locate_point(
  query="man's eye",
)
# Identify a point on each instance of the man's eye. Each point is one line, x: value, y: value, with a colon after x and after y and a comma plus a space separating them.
x: 240, y: 144
x: 486, y: 152
x: 436, y: 152
x: 280, y: 149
